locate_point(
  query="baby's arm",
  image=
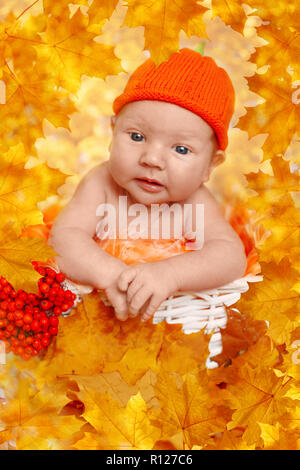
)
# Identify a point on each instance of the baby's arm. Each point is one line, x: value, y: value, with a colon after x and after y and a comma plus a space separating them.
x: 222, y: 258
x: 80, y: 258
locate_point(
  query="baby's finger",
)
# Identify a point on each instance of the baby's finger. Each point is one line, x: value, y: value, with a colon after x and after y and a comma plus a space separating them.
x: 125, y: 278
x: 134, y: 287
x: 151, y: 309
x: 141, y: 310
x: 121, y: 308
x: 121, y: 313
x: 138, y: 300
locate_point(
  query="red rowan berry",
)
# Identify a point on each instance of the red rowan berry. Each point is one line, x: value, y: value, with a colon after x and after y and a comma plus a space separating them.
x: 12, y: 306
x: 57, y: 311
x: 19, y: 304
x: 41, y: 271
x: 35, y: 325
x: 53, y: 330
x: 45, y: 342
x: 36, y: 344
x: 27, y: 318
x: 60, y: 277
x: 53, y: 321
x: 65, y: 307
x: 44, y: 288
x: 2, y: 313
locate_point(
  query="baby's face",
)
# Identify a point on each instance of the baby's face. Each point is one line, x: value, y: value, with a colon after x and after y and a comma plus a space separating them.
x: 163, y: 142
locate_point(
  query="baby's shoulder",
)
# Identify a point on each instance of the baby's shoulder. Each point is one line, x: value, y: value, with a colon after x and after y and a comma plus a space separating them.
x: 205, y: 197
x: 96, y: 180
x: 98, y: 173
x: 215, y: 223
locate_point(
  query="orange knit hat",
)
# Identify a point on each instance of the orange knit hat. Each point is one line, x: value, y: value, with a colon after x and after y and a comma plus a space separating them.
x: 189, y: 80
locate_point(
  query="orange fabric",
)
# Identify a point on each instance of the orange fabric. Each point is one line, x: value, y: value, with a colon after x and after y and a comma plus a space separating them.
x: 142, y: 250
x: 189, y: 80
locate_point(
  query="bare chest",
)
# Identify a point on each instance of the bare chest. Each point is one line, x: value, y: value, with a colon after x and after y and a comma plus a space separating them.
x: 119, y: 218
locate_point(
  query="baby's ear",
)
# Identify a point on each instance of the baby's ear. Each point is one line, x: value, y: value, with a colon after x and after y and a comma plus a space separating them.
x: 217, y: 158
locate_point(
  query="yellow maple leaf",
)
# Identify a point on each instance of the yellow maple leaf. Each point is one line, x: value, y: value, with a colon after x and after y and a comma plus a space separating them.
x: 187, y: 408
x: 16, y: 255
x: 56, y: 9
x: 188, y: 347
x: 291, y: 420
x: 230, y: 440
x: 263, y: 352
x: 117, y: 427
x: 27, y: 103
x: 99, y: 12
x: 87, y: 357
x: 68, y: 50
x: 279, y: 107
x: 159, y: 346
x: 271, y: 188
x: 19, y: 7
x: 22, y: 189
x: 274, y: 300
x: 162, y: 26
x: 107, y: 344
x: 34, y: 415
x: 281, y: 13
x: 259, y: 396
x: 284, y: 226
x: 110, y: 383
x: 291, y: 358
x: 231, y: 12
x: 269, y: 434
x: 55, y: 52
x: 5, y: 435
x: 283, y: 46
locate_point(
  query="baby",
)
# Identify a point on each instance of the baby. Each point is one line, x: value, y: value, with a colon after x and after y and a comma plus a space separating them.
x: 169, y: 132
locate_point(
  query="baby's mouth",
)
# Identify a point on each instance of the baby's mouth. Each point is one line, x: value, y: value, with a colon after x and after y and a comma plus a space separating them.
x: 148, y: 185
x: 154, y: 182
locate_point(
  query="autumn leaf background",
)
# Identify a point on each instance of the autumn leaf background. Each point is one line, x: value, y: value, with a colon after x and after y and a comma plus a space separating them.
x: 104, y: 384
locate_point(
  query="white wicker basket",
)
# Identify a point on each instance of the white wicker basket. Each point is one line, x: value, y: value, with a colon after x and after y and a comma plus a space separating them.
x: 194, y: 310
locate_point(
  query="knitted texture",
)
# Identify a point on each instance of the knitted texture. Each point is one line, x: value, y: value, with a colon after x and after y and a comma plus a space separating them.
x: 189, y: 80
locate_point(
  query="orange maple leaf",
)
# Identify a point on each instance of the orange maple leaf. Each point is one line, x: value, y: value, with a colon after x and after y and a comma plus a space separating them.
x: 187, y: 408
x: 259, y: 396
x: 283, y: 47
x: 284, y: 227
x: 279, y: 107
x: 162, y: 26
x: 231, y: 12
x: 32, y: 416
x: 117, y: 427
x: 271, y: 189
x: 273, y: 300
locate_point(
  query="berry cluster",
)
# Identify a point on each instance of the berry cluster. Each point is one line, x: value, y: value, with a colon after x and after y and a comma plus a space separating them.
x: 29, y: 321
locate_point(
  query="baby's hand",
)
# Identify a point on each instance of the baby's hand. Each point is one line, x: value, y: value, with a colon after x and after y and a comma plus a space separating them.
x: 118, y: 300
x: 116, y: 297
x: 147, y: 282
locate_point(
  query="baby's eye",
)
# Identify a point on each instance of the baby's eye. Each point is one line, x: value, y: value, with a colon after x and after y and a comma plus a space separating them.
x: 182, y: 150
x: 132, y: 134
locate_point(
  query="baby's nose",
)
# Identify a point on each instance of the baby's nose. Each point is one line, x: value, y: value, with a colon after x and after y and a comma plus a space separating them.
x: 153, y: 157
